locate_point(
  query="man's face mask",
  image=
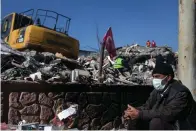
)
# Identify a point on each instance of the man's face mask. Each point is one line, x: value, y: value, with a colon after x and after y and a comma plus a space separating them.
x: 159, y: 84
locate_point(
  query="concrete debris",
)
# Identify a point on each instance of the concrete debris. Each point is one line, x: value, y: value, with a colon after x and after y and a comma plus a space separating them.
x: 48, y: 67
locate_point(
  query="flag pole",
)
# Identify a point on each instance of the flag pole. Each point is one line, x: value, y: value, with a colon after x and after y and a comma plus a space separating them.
x: 97, y: 31
x: 101, y: 62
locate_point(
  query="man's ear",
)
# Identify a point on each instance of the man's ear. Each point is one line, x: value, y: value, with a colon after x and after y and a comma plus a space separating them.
x: 169, y: 78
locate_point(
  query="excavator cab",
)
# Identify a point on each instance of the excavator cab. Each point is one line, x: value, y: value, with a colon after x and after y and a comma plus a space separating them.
x: 44, y: 32
x: 14, y: 21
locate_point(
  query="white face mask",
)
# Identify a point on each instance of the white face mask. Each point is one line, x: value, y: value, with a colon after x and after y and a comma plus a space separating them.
x: 158, y: 83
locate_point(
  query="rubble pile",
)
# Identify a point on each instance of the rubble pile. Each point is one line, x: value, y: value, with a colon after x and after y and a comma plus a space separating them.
x: 49, y: 67
x: 35, y: 66
x: 142, y: 61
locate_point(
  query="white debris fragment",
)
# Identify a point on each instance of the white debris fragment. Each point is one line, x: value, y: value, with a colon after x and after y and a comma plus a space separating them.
x: 36, y: 76
x: 68, y: 112
x: 110, y: 60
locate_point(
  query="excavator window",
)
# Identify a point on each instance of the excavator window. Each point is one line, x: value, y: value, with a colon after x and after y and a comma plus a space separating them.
x: 6, y: 26
x: 22, y: 21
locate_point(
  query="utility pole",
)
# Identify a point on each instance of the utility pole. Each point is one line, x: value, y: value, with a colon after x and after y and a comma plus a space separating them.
x: 187, y: 45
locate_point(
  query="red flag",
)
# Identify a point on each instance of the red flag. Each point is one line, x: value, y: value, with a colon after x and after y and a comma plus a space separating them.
x: 108, y: 42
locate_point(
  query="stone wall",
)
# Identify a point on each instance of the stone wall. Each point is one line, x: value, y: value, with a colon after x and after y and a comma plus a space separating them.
x: 100, y: 106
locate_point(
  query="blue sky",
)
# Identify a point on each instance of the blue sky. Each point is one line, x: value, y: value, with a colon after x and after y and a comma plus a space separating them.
x: 131, y: 20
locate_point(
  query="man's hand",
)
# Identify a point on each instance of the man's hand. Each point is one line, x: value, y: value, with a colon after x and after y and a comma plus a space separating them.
x: 131, y: 112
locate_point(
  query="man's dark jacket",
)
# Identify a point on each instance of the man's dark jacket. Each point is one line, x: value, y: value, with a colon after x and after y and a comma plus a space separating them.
x: 175, y: 103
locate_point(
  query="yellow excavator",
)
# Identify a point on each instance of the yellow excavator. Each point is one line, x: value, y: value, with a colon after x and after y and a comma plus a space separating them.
x: 22, y: 32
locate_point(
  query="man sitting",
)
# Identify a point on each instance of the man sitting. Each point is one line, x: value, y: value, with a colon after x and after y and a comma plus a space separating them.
x: 169, y: 102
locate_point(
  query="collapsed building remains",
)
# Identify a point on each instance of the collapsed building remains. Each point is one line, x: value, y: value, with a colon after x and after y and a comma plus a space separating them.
x: 47, y: 67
